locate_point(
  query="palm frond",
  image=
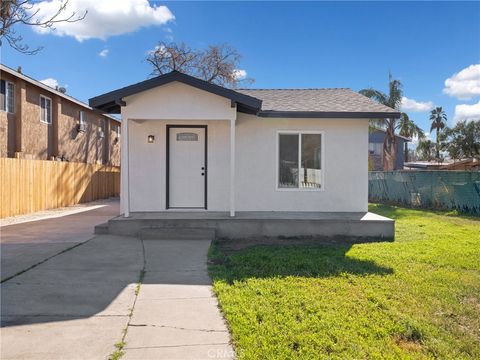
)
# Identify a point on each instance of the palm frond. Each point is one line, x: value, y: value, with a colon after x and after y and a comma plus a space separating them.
x: 395, y: 94
x: 375, y: 95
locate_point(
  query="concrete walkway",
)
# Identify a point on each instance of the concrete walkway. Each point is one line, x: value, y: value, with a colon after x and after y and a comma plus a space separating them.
x: 32, y: 241
x: 77, y: 305
x: 176, y: 315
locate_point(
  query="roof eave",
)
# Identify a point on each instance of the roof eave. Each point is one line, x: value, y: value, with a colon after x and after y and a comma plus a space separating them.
x: 328, y: 114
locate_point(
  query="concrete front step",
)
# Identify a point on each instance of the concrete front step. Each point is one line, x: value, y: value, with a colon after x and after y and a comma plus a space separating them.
x: 165, y: 233
x: 101, y: 229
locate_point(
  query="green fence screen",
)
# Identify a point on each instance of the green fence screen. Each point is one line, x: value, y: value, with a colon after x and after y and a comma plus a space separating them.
x: 442, y: 190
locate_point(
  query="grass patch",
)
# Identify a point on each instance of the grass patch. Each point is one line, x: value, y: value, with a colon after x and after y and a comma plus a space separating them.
x: 118, y: 353
x: 417, y: 297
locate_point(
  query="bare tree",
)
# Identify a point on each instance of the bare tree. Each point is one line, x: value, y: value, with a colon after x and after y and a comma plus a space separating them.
x: 21, y: 12
x: 217, y: 64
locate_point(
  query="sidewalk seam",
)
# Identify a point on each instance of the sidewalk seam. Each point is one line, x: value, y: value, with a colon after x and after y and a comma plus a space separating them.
x: 119, y: 352
x: 45, y: 260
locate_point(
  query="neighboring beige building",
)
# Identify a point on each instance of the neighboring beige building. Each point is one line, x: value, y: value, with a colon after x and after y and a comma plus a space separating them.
x: 43, y: 123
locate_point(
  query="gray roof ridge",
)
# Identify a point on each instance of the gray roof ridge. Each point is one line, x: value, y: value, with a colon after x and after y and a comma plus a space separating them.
x: 293, y: 89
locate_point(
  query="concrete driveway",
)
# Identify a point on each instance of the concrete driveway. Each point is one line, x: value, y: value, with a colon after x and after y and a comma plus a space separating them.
x: 80, y: 303
x: 30, y: 242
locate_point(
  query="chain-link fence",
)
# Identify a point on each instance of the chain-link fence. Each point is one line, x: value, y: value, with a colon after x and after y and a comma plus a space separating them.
x: 440, y: 190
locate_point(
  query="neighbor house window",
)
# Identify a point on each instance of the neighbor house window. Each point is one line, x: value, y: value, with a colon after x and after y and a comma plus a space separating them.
x: 375, y: 148
x: 7, y: 97
x: 300, y: 160
x: 82, y: 118
x: 45, y: 109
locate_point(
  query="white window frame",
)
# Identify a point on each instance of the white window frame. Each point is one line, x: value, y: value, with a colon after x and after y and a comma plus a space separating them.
x: 7, y: 93
x: 51, y: 110
x: 118, y: 129
x: 277, y: 156
x: 81, y: 118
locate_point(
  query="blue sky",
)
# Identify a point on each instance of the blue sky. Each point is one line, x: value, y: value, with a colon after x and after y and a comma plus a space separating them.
x: 283, y: 44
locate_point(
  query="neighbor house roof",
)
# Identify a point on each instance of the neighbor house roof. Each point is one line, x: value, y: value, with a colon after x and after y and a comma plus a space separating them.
x: 300, y: 103
x: 32, y: 81
x: 397, y: 135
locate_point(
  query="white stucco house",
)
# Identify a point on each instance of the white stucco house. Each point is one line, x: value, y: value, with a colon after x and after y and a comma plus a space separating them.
x: 198, y: 150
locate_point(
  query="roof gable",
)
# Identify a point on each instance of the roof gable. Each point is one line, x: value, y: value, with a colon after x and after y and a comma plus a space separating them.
x: 111, y: 101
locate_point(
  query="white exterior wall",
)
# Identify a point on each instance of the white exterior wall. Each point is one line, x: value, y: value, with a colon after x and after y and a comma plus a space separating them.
x: 177, y: 101
x: 148, y: 164
x: 148, y: 113
x: 345, y: 165
x: 345, y: 160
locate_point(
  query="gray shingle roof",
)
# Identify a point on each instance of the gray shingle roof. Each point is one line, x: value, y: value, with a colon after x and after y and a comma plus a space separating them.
x: 316, y: 100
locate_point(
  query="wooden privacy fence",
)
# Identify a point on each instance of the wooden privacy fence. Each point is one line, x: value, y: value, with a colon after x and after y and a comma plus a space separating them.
x: 27, y: 186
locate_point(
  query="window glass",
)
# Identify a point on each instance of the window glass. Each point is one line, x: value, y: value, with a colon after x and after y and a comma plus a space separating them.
x: 42, y: 108
x: 3, y: 95
x: 49, y: 110
x: 45, y: 109
x: 82, y: 118
x: 310, y: 170
x: 288, y: 161
x: 10, y: 102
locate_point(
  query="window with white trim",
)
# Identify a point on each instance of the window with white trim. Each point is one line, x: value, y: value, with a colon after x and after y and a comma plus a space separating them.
x: 45, y: 109
x: 300, y: 160
x: 7, y: 96
x: 82, y: 120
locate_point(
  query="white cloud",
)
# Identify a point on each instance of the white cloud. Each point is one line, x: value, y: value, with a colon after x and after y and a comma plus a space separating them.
x: 161, y: 49
x: 464, y: 84
x: 467, y: 112
x: 104, y: 18
x: 103, y: 53
x: 416, y: 106
x: 53, y: 83
x: 239, y: 74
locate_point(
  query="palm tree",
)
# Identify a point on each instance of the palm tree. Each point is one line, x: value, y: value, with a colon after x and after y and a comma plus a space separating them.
x: 393, y: 100
x: 439, y: 121
x: 409, y: 129
x: 425, y: 149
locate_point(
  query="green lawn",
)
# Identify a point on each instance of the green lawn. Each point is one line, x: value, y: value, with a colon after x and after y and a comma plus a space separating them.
x: 417, y: 297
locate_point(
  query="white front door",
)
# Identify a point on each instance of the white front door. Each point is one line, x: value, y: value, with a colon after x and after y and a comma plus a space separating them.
x: 187, y: 167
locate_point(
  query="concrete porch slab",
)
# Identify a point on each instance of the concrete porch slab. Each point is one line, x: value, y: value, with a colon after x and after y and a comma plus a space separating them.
x: 344, y: 226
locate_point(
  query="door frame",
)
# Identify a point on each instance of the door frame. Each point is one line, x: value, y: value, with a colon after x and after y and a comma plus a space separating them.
x: 167, y: 167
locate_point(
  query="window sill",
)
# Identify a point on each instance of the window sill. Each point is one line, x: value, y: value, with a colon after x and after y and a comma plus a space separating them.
x: 46, y: 123
x: 299, y: 190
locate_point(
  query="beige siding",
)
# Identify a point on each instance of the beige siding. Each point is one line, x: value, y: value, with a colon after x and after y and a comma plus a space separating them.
x: 32, y: 139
